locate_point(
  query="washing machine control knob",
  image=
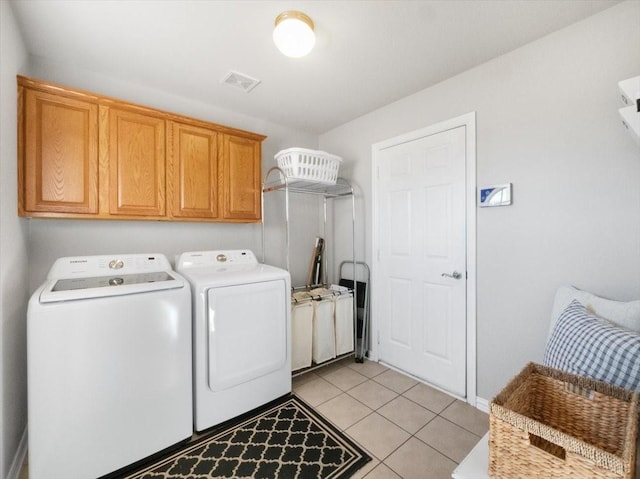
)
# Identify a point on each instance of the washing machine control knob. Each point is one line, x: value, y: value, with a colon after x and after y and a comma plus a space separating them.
x: 116, y: 264
x: 221, y: 258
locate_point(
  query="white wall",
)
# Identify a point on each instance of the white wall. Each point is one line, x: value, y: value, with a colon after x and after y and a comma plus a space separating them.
x: 547, y: 121
x: 50, y: 239
x: 14, y: 263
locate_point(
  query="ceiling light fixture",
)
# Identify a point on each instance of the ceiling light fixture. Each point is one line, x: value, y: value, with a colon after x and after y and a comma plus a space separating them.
x: 293, y: 34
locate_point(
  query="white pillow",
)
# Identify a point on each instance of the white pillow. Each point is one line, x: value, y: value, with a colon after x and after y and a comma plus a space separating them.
x: 625, y: 314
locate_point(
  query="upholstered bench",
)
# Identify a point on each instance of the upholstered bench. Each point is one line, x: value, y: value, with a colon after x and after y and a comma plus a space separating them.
x: 578, y: 318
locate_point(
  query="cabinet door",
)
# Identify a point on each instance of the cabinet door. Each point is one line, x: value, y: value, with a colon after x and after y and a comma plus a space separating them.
x: 136, y: 164
x: 60, y: 154
x: 240, y: 178
x: 193, y: 172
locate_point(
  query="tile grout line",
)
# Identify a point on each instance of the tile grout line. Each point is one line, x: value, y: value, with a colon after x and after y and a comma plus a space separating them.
x: 376, y: 410
x: 411, y: 435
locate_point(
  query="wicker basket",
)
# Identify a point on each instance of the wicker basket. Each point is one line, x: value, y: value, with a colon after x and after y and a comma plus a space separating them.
x: 309, y: 165
x: 550, y: 424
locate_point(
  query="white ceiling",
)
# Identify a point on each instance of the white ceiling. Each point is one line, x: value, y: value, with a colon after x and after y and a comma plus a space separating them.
x: 367, y: 54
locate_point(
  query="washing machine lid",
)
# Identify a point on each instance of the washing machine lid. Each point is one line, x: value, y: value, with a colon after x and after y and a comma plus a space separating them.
x: 85, y: 277
x: 118, y: 285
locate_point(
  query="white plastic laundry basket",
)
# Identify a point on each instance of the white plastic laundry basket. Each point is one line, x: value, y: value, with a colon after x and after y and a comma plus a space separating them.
x: 309, y: 165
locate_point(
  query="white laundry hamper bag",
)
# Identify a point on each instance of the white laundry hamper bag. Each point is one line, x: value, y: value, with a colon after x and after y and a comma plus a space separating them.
x: 301, y: 335
x: 343, y: 306
x: 324, y: 343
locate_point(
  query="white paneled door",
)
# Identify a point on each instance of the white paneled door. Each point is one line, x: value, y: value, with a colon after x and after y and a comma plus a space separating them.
x: 421, y: 258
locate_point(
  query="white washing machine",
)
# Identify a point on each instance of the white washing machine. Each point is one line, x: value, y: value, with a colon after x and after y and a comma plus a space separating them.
x: 109, y: 365
x: 241, y: 333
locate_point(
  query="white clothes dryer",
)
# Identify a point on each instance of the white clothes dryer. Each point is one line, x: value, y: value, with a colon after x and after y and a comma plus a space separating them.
x: 109, y: 365
x: 241, y: 333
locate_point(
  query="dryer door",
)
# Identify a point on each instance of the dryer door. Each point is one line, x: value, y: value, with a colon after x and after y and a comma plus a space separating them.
x: 247, y: 332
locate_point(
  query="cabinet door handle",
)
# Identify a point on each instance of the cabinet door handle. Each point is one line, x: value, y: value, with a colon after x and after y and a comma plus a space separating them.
x: 454, y: 275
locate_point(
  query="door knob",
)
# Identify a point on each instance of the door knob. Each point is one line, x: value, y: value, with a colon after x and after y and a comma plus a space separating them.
x: 454, y: 275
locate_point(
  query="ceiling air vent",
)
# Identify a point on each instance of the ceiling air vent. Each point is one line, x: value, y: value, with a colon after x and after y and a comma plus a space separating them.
x: 240, y: 80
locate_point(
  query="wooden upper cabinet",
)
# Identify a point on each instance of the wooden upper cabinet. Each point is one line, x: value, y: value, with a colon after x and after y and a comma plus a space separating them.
x: 60, y: 148
x: 193, y: 172
x: 136, y: 164
x: 83, y: 155
x: 240, y: 178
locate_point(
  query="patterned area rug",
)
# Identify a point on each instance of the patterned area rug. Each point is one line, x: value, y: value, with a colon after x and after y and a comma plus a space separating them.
x: 286, y: 441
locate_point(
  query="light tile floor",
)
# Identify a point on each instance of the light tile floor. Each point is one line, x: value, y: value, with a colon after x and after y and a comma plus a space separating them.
x: 408, y: 428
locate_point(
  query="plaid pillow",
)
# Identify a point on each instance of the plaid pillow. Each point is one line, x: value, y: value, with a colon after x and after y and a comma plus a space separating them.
x: 587, y: 345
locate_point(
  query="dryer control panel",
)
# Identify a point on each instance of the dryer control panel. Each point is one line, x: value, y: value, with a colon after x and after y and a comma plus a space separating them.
x: 216, y: 257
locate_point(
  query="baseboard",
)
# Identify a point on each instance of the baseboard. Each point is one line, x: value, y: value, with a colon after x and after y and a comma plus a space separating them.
x: 482, y: 404
x: 20, y: 456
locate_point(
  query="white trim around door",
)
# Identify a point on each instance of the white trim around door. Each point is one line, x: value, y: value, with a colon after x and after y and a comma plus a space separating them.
x: 469, y: 122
